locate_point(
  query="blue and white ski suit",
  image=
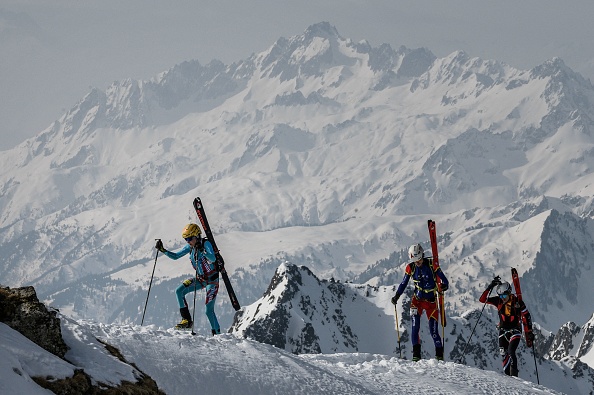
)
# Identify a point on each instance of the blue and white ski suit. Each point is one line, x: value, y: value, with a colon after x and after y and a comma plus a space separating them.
x: 203, y: 261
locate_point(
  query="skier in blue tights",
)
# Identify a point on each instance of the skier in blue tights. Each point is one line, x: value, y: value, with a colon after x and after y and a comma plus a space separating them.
x: 423, y: 273
x: 203, y: 261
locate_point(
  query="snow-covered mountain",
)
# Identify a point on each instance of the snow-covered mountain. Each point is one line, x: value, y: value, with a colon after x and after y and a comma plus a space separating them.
x: 318, y: 151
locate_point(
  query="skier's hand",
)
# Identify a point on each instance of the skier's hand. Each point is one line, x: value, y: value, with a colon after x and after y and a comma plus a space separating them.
x: 496, y: 281
x: 395, y: 299
x: 159, y: 246
x: 444, y: 287
x: 187, y: 282
x: 529, y: 339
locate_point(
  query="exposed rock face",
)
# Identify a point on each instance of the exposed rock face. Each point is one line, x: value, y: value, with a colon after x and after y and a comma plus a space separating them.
x: 304, y: 315
x: 22, y: 311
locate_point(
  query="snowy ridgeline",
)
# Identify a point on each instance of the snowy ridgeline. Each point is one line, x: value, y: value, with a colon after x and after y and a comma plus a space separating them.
x: 302, y: 314
x: 226, y: 364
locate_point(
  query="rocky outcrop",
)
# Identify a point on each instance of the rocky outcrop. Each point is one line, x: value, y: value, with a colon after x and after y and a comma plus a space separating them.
x: 22, y: 311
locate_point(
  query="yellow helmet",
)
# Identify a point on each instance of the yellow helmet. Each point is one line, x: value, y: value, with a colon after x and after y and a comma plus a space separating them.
x: 191, y: 230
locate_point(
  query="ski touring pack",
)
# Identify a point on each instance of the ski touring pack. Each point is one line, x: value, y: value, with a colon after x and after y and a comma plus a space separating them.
x: 220, y: 262
x: 440, y: 298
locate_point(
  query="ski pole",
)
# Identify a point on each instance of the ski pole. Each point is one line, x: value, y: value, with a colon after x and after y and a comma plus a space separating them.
x: 441, y: 303
x: 150, y: 284
x: 535, y: 364
x: 195, y: 288
x: 398, y: 331
x: 473, y: 329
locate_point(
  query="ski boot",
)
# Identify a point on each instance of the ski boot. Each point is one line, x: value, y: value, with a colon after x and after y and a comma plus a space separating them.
x: 439, y: 353
x: 416, y: 353
x: 186, y: 322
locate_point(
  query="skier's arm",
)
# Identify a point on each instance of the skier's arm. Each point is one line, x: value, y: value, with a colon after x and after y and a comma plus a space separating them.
x: 485, y: 296
x: 494, y: 300
x: 209, y: 251
x: 444, y: 281
x: 405, y: 279
x: 176, y: 255
x: 401, y: 288
x: 526, y: 317
x: 527, y: 324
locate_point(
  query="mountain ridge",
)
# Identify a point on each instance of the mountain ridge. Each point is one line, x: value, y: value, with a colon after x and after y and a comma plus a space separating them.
x: 318, y: 151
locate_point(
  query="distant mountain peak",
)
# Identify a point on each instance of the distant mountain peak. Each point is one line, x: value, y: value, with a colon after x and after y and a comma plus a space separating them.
x: 321, y: 29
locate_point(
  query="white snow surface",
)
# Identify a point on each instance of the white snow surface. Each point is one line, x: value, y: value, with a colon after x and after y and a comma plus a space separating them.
x: 226, y: 364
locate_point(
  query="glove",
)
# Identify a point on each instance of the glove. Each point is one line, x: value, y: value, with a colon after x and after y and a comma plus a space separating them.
x: 529, y: 339
x: 187, y: 282
x: 496, y: 281
x: 159, y: 246
x: 444, y: 287
x: 395, y: 299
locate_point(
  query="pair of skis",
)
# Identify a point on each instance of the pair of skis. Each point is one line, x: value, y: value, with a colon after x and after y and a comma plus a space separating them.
x: 220, y: 262
x: 440, y: 298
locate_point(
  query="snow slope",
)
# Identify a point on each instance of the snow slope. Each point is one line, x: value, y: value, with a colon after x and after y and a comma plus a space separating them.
x: 225, y: 364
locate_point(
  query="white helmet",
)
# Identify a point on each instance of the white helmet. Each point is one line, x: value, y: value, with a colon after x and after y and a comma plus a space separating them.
x: 504, y: 289
x: 415, y: 252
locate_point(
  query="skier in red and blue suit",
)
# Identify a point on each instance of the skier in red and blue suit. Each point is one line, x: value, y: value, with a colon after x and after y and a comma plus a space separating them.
x: 203, y: 261
x: 423, y: 273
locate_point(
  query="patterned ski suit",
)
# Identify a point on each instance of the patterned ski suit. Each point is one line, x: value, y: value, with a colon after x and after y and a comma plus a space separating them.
x: 424, y: 298
x: 203, y: 261
x: 512, y: 313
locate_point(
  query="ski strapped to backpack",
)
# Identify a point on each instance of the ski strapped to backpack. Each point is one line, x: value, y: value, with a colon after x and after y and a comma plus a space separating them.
x: 518, y: 289
x: 516, y: 280
x: 440, y: 298
x: 525, y: 324
x: 219, y: 262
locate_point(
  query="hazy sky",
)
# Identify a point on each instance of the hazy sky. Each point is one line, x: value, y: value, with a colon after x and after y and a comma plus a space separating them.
x: 53, y: 51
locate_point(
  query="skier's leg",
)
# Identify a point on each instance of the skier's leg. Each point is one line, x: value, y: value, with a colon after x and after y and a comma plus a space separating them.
x: 183, y: 289
x: 511, y: 350
x: 434, y: 330
x: 503, y: 351
x: 415, y: 316
x: 432, y: 315
x: 180, y: 292
x: 211, y: 296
